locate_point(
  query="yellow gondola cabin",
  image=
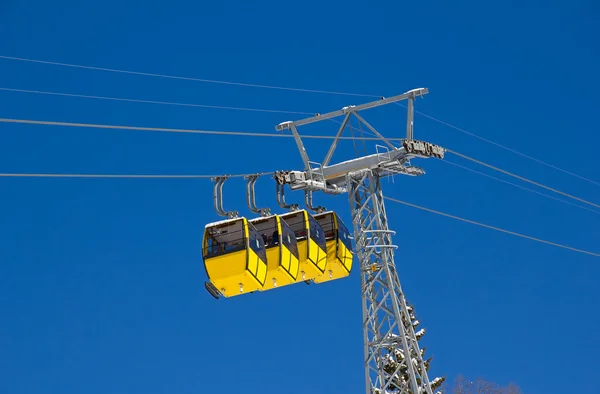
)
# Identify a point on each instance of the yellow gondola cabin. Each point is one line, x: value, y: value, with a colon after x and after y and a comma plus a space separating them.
x: 282, y: 251
x: 312, y: 248
x: 234, y: 256
x: 339, y: 247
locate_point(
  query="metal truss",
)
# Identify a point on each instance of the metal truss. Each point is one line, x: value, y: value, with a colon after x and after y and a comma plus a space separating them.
x: 393, y: 360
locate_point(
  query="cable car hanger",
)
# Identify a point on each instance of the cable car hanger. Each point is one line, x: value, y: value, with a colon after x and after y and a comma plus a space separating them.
x: 308, y: 201
x: 218, y: 197
x: 251, y: 196
x: 280, y: 190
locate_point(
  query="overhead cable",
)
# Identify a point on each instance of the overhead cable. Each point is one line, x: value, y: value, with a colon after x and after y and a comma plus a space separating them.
x: 176, y: 176
x: 522, y: 178
x: 183, y: 78
x: 122, y: 176
x: 502, y: 146
x: 170, y: 130
x: 520, y: 187
x: 154, y: 102
x: 285, y: 88
x: 493, y: 228
x: 251, y: 134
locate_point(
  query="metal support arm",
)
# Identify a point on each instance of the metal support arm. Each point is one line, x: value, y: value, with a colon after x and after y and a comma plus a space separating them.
x: 218, y: 197
x: 251, y: 196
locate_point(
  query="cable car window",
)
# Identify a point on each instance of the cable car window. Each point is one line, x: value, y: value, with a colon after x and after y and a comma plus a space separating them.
x: 344, y: 235
x: 289, y: 239
x: 256, y: 243
x: 327, y: 222
x: 224, y: 242
x: 297, y: 224
x: 316, y: 232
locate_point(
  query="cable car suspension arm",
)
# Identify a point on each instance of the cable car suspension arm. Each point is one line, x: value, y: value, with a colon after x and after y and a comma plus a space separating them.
x: 218, y: 197
x: 251, y: 196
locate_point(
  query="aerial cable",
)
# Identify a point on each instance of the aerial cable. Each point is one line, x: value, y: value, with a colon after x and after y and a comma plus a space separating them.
x: 154, y: 102
x: 294, y: 89
x: 502, y: 146
x: 520, y: 187
x: 177, y: 176
x: 123, y: 176
x: 510, y: 149
x: 494, y: 228
x: 184, y: 78
x: 171, y: 130
x: 250, y: 134
x: 522, y: 178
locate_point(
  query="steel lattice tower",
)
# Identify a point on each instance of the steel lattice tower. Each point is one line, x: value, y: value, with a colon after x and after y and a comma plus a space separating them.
x: 386, y: 339
x: 393, y: 360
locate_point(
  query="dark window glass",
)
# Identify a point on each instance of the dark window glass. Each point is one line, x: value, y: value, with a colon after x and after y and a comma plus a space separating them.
x: 289, y: 239
x: 344, y: 234
x: 256, y: 243
x: 269, y: 233
x: 219, y: 244
x: 316, y: 232
x: 327, y: 223
x: 297, y: 224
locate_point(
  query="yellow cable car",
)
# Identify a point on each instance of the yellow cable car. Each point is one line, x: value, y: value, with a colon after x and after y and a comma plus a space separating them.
x: 282, y: 251
x: 339, y: 247
x: 312, y: 248
x: 234, y: 256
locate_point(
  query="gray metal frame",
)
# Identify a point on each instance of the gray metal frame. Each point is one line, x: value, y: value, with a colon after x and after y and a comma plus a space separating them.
x: 387, y: 327
x: 218, y: 197
x: 251, y: 196
x: 386, y: 319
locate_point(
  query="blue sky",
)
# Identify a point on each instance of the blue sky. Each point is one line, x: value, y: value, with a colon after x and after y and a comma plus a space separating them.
x: 101, y: 281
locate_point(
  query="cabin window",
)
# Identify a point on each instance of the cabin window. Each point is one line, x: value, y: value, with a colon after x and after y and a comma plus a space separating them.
x: 316, y: 233
x: 256, y: 243
x: 289, y: 238
x: 297, y: 224
x: 344, y: 235
x: 225, y: 239
x: 268, y: 231
x: 327, y: 223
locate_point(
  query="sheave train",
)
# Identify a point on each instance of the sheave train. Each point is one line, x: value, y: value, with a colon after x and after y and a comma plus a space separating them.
x: 245, y: 255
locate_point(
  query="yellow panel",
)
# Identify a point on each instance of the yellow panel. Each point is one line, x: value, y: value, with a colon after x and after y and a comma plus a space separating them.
x: 291, y: 263
x: 306, y: 266
x: 322, y: 259
x: 285, y: 259
x: 335, y: 264
x: 228, y: 271
x: 276, y: 274
x: 252, y: 262
x: 262, y: 272
x: 294, y: 266
x: 317, y: 256
x: 346, y: 256
x: 225, y: 265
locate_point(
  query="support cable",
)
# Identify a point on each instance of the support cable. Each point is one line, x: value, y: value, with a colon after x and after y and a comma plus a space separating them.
x: 493, y: 228
x: 250, y: 134
x: 123, y: 176
x: 130, y: 100
x: 293, y: 89
x: 175, y: 176
x: 501, y: 146
x: 509, y: 149
x: 522, y: 178
x: 171, y: 130
x: 520, y: 187
x: 114, y: 70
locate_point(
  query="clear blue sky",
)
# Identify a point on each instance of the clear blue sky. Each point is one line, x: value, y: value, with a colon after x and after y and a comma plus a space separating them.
x: 101, y: 281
